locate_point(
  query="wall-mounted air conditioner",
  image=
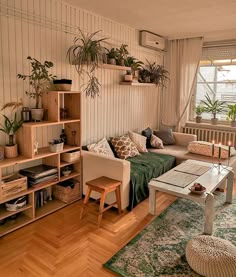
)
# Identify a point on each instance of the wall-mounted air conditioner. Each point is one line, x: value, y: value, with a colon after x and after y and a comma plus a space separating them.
x: 153, y: 41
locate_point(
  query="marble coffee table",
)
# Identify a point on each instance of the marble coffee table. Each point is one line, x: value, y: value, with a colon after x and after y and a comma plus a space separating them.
x: 178, y: 180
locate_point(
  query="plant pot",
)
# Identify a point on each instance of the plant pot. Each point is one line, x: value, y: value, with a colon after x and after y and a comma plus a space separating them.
x: 198, y: 119
x: 37, y: 114
x: 128, y: 78
x: 11, y: 151
x: 233, y: 123
x: 112, y: 61
x: 121, y: 62
x: 214, y: 121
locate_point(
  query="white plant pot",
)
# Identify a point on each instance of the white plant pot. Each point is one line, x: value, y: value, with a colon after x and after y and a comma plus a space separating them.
x: 112, y: 61
x: 37, y: 114
x: 128, y: 78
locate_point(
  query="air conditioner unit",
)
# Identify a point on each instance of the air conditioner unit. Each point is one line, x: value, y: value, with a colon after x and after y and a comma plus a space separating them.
x: 153, y: 41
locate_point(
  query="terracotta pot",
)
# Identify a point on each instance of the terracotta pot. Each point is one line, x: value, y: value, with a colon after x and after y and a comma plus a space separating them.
x: 214, y: 121
x: 37, y: 114
x: 11, y: 151
x: 198, y: 119
x: 233, y: 123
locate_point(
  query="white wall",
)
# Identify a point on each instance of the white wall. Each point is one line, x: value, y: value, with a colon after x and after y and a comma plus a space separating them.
x: 44, y: 29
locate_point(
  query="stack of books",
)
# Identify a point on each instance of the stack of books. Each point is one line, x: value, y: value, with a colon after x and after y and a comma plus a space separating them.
x: 40, y: 174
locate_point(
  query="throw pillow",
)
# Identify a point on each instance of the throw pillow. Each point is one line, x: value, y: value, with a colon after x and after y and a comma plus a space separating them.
x: 124, y: 147
x: 156, y: 142
x: 147, y: 133
x: 101, y: 147
x: 166, y: 136
x: 139, y: 141
x: 206, y: 149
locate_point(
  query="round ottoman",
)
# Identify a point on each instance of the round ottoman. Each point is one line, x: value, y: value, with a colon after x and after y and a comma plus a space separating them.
x: 211, y: 256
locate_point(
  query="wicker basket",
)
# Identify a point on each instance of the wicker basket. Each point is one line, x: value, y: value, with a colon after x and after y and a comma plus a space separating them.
x: 67, y: 194
x: 70, y: 157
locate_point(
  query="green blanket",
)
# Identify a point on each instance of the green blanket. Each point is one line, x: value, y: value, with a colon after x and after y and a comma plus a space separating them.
x: 144, y: 167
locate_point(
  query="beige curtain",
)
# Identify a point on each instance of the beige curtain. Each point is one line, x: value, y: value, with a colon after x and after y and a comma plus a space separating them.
x: 182, y: 62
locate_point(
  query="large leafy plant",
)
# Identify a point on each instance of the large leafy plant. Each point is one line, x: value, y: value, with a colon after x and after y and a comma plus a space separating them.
x: 39, y: 79
x: 213, y: 106
x: 87, y: 50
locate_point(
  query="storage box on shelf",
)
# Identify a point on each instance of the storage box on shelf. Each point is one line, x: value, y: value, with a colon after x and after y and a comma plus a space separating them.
x: 40, y: 198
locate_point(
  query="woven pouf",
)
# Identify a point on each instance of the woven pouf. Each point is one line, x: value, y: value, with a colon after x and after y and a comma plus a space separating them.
x: 211, y: 256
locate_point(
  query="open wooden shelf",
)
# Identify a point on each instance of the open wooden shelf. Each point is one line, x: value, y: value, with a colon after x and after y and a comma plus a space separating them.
x: 115, y: 67
x: 49, y: 123
x: 51, y: 206
x: 4, y: 213
x: 138, y: 84
x: 70, y: 176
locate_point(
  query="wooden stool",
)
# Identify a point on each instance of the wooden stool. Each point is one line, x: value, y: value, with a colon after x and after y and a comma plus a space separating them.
x: 103, y: 185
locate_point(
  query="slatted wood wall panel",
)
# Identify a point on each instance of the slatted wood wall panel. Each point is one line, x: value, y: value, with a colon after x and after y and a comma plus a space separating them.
x: 45, y: 29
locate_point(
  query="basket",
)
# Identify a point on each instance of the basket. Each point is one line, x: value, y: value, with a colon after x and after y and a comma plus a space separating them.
x: 16, y: 204
x: 12, y: 184
x: 56, y: 147
x: 68, y: 193
x: 70, y: 157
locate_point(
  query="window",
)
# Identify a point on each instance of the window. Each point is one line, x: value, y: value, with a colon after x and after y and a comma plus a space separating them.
x: 217, y: 76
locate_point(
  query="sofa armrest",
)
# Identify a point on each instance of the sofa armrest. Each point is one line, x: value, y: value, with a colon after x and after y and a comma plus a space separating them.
x: 183, y: 139
x: 97, y: 165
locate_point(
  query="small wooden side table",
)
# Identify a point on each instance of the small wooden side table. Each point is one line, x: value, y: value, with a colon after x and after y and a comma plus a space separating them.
x: 103, y: 185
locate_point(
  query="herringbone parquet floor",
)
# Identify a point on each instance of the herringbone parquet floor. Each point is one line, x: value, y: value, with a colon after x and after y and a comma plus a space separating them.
x: 62, y: 245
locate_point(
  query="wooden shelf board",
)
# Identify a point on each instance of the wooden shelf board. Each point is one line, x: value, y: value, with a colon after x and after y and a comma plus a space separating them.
x: 4, y: 213
x: 51, y: 206
x: 72, y: 175
x: 45, y: 151
x: 44, y: 185
x: 12, y: 225
x: 64, y: 91
x: 116, y: 67
x: 138, y: 84
x: 62, y: 163
x: 49, y: 123
x: 16, y: 195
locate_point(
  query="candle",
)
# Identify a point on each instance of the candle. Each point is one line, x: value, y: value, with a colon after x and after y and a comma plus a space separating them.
x: 219, y: 151
x: 213, y: 146
x: 229, y: 144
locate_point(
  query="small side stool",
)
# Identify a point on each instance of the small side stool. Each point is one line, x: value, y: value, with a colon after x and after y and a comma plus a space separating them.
x: 103, y: 185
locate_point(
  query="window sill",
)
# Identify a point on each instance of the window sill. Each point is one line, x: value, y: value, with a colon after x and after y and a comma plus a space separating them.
x: 205, y: 125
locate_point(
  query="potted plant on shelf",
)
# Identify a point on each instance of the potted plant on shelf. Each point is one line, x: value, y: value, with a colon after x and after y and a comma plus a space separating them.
x: 122, y: 54
x: 231, y: 114
x: 87, y: 50
x: 39, y: 81
x: 199, y: 109
x: 135, y: 65
x: 112, y: 56
x: 128, y: 77
x: 213, y: 106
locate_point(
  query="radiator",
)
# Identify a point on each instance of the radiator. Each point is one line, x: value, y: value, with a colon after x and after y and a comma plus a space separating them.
x: 223, y: 136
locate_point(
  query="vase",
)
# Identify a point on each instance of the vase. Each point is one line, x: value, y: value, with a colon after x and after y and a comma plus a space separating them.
x: 37, y: 114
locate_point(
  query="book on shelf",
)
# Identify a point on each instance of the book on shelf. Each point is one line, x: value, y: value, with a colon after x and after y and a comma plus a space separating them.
x: 43, y: 180
x: 39, y: 171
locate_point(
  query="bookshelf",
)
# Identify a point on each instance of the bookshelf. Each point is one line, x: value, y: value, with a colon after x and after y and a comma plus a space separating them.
x: 27, y: 135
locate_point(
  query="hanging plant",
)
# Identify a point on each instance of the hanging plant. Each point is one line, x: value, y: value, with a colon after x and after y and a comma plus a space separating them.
x: 86, y: 54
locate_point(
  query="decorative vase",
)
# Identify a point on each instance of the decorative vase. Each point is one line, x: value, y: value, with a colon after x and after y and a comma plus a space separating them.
x: 198, y: 119
x: 11, y: 151
x: 214, y: 121
x: 233, y: 123
x: 37, y: 114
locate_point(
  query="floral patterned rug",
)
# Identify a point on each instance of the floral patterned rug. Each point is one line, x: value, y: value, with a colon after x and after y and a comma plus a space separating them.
x: 159, y: 250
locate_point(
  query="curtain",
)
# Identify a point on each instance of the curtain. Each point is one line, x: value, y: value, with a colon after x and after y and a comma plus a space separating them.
x: 182, y: 62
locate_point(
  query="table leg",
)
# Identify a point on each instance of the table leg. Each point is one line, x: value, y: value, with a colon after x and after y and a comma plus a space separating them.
x: 229, y: 189
x: 152, y: 201
x: 209, y: 214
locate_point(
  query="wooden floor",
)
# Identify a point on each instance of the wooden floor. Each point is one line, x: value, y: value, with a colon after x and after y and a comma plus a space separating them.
x: 63, y: 245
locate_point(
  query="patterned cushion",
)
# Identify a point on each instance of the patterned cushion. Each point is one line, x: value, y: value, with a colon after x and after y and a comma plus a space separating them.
x: 206, y: 149
x: 139, y: 141
x: 101, y: 147
x: 166, y: 135
x: 147, y: 133
x: 124, y: 147
x: 156, y: 142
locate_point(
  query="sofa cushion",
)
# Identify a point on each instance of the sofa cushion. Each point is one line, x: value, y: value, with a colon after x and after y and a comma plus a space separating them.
x: 156, y: 142
x: 147, y: 133
x: 101, y: 147
x: 166, y: 135
x: 124, y: 147
x: 139, y: 141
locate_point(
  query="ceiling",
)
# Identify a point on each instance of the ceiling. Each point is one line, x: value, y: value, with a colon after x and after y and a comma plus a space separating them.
x: 215, y: 20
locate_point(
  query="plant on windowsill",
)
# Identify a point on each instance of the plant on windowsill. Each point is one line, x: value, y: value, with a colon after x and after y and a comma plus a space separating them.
x: 86, y: 54
x: 199, y: 109
x: 39, y: 81
x: 231, y: 114
x: 214, y: 107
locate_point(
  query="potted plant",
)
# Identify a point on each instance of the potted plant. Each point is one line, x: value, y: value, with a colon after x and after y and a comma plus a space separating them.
x: 39, y: 80
x: 122, y: 54
x: 214, y: 107
x: 199, y: 109
x: 87, y: 50
x: 135, y: 65
x: 231, y: 114
x: 128, y: 77
x: 112, y: 56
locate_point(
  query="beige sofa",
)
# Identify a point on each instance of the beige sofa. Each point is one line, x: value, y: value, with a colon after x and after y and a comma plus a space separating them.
x: 96, y: 165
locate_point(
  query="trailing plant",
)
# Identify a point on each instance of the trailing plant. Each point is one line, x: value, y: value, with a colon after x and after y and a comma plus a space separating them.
x: 199, y: 109
x: 87, y: 50
x: 213, y: 106
x: 231, y: 114
x: 39, y: 79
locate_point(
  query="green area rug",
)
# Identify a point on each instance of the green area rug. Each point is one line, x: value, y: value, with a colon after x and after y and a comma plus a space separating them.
x: 159, y: 250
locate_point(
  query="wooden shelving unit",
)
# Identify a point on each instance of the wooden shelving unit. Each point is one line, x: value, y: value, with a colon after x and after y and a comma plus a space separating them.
x: 27, y: 135
x: 138, y: 84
